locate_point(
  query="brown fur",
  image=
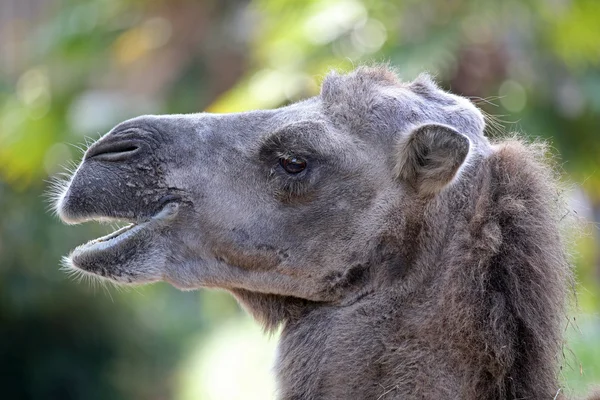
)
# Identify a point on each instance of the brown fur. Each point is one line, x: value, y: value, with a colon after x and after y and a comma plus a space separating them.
x: 505, y: 281
x: 595, y: 394
x: 480, y: 314
x: 411, y: 260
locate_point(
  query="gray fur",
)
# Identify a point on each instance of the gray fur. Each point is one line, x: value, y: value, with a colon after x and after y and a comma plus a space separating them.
x: 411, y: 259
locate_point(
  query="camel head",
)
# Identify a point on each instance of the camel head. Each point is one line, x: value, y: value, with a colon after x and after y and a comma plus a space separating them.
x: 299, y: 201
x: 399, y: 249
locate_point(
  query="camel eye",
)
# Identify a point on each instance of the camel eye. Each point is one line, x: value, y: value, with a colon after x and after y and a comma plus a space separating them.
x: 292, y: 164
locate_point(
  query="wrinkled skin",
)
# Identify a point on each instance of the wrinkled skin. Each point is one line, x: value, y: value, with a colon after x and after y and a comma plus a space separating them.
x: 404, y: 255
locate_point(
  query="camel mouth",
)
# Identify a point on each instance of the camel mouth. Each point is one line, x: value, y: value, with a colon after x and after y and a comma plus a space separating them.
x: 123, y: 241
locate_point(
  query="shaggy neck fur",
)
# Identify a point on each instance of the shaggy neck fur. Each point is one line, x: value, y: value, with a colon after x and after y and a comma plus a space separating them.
x: 477, y: 313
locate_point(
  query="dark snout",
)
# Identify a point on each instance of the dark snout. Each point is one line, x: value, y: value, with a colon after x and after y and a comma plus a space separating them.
x: 121, y: 176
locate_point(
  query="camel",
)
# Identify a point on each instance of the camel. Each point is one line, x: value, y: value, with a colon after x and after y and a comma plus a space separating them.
x: 403, y: 254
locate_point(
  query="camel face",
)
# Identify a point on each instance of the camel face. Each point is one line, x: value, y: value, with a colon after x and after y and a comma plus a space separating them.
x: 294, y: 202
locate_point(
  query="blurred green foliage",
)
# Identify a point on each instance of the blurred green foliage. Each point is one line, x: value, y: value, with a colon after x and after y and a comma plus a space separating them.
x: 72, y: 69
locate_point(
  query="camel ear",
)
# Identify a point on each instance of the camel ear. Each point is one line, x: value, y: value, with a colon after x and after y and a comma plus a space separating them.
x: 430, y: 156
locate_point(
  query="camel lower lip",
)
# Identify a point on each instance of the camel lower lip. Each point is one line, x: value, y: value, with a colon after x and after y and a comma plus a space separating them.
x: 127, y: 233
x: 110, y: 240
x: 114, y: 234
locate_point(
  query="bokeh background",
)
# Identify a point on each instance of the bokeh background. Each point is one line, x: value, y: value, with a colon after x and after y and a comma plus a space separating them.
x: 70, y: 70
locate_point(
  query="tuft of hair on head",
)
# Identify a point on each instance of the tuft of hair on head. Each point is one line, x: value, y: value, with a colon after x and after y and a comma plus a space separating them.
x: 362, y: 79
x: 424, y: 85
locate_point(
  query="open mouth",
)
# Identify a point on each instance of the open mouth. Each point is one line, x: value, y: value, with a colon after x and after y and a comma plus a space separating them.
x: 125, y: 234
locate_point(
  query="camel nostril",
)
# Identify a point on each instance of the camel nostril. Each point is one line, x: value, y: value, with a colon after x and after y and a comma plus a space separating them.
x: 113, y: 151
